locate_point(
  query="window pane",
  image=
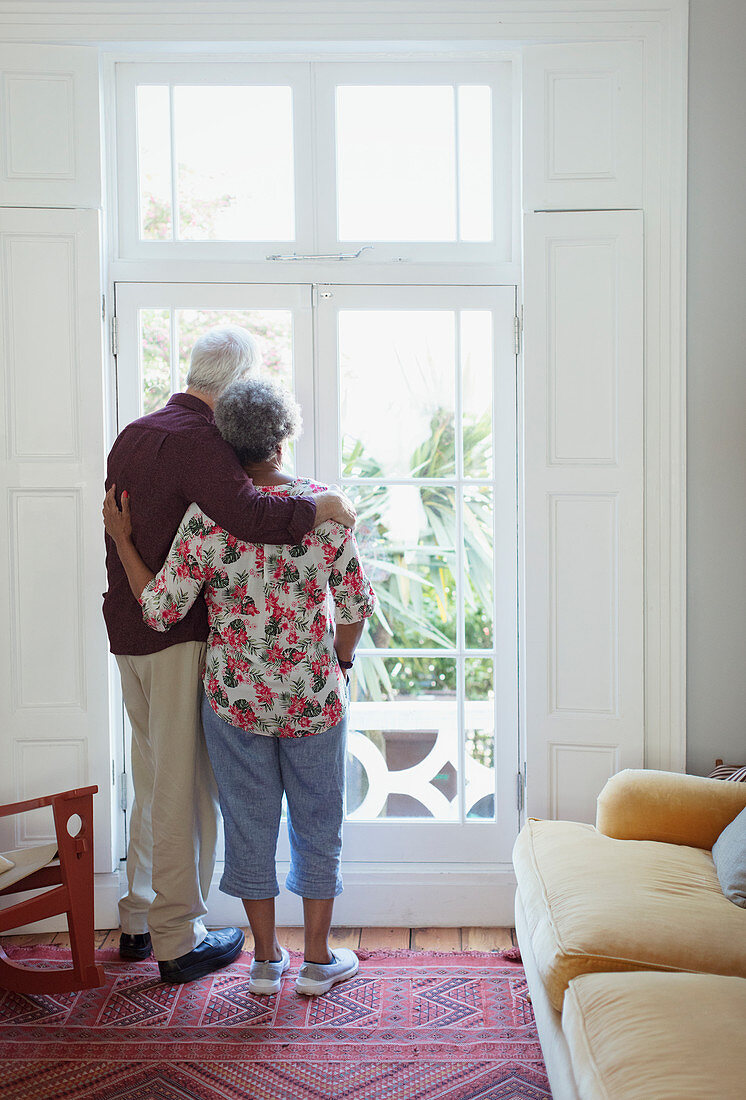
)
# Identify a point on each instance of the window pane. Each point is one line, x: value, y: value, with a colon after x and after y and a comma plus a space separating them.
x: 476, y: 373
x: 272, y: 328
x: 475, y: 163
x: 407, y: 537
x: 154, y: 160
x: 403, y: 742
x: 155, y: 358
x: 396, y: 163
x: 397, y: 382
x: 480, y: 739
x: 478, y: 565
x: 235, y: 163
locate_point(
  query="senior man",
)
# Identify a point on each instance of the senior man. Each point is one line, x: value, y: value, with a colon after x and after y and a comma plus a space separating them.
x: 165, y: 461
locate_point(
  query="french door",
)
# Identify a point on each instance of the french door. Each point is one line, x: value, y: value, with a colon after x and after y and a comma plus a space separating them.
x: 409, y: 402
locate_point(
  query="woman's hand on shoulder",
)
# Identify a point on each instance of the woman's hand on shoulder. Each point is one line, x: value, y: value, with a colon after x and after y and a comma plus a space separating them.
x: 117, y: 521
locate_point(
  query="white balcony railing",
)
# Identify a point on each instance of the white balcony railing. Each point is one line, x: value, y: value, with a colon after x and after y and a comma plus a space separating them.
x: 381, y: 737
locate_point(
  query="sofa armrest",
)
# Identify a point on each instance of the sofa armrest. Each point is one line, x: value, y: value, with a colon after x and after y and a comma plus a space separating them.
x: 678, y: 809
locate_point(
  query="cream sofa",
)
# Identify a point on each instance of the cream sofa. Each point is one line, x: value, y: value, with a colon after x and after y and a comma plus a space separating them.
x: 635, y: 959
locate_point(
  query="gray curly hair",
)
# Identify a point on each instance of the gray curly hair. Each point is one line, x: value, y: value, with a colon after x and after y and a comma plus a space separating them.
x: 255, y: 416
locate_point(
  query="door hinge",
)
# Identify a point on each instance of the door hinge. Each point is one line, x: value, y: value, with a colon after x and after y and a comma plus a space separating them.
x: 123, y: 792
x: 115, y: 335
x: 517, y: 334
x: 520, y: 780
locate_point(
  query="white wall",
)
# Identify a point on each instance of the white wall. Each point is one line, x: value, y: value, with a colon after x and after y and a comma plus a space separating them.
x: 716, y: 347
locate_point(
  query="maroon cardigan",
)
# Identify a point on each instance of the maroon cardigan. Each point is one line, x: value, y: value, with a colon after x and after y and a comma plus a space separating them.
x: 165, y: 461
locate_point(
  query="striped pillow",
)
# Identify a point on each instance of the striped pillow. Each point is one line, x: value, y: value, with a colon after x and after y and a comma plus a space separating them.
x: 733, y: 773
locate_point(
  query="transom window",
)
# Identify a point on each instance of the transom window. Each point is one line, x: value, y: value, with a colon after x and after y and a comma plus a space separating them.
x: 215, y: 163
x: 394, y: 162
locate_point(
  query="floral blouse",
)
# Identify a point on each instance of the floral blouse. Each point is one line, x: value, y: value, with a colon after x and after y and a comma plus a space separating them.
x: 271, y: 666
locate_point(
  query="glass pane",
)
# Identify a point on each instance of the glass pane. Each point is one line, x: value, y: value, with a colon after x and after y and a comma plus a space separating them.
x: 396, y: 163
x: 475, y: 163
x: 155, y: 357
x: 407, y: 537
x: 480, y: 739
x: 273, y: 329
x: 403, y: 742
x: 478, y: 565
x: 397, y: 382
x: 154, y: 161
x: 476, y: 374
x: 235, y: 168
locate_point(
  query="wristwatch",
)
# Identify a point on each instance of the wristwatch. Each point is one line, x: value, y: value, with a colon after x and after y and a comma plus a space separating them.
x: 346, y: 665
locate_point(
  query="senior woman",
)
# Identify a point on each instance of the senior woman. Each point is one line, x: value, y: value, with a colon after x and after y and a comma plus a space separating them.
x: 275, y: 697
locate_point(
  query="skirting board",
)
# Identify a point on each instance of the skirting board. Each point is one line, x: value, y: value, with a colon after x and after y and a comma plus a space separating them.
x: 107, y: 892
x: 376, y: 895
x: 383, y: 895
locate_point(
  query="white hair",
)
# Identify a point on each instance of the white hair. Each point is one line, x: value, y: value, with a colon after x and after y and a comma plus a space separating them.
x: 219, y: 357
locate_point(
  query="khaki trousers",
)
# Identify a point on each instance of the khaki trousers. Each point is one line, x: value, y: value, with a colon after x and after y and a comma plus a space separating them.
x: 173, y: 828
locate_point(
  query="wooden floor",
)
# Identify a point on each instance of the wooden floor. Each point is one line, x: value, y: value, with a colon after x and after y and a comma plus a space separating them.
x: 371, y: 939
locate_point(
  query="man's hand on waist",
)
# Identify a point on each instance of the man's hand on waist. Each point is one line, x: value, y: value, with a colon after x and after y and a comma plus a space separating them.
x: 334, y: 505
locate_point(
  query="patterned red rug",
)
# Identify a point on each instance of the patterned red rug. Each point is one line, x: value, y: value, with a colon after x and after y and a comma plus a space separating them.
x: 409, y: 1026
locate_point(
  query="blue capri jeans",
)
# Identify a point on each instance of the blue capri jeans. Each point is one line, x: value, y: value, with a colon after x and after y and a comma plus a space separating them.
x: 253, y: 772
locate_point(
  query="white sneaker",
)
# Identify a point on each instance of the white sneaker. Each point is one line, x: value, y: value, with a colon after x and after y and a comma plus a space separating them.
x: 317, y: 978
x: 266, y: 976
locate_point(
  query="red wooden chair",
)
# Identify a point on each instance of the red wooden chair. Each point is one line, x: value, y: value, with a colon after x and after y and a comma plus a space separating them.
x: 72, y: 893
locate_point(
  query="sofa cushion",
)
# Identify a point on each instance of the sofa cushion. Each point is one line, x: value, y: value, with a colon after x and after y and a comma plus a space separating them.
x: 593, y: 903
x: 729, y: 855
x: 668, y: 1036
x: 641, y: 804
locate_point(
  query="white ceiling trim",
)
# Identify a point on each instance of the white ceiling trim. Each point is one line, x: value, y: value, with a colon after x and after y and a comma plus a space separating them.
x: 331, y: 20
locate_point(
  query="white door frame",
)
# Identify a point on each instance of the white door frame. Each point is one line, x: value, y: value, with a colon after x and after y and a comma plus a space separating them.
x: 430, y: 874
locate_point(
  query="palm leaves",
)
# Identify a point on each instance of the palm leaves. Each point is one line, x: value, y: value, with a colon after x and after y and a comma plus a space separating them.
x: 415, y: 584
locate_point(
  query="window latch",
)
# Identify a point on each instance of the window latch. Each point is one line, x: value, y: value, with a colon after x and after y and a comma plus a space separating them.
x: 310, y: 257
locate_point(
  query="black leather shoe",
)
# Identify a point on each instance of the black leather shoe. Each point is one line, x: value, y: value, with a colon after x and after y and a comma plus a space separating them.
x: 137, y: 947
x: 217, y: 949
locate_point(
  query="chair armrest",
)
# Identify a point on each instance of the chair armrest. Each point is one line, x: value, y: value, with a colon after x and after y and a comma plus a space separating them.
x: 678, y: 809
x: 47, y: 800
